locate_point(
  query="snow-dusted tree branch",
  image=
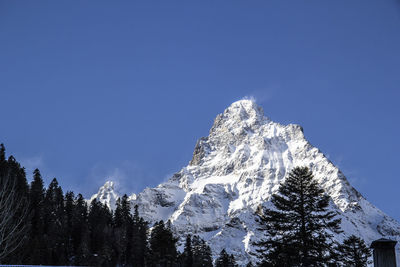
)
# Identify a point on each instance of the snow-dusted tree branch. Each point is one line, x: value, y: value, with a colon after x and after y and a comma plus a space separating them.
x: 13, y: 213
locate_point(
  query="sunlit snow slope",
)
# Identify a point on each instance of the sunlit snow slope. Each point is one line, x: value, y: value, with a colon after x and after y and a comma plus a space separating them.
x: 235, y: 169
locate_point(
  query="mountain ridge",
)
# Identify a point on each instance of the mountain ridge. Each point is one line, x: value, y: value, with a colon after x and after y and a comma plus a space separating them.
x: 237, y: 168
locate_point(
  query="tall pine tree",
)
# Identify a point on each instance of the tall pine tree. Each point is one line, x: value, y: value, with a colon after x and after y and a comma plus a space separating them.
x: 100, y: 237
x: 36, y: 243
x: 123, y: 230
x: 80, y: 232
x: 201, y: 253
x: 225, y: 260
x: 353, y: 252
x: 297, y: 226
x: 54, y: 224
x: 139, y: 239
x: 187, y: 255
x: 163, y: 251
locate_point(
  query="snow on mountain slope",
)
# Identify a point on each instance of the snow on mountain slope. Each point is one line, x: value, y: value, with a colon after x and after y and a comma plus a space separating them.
x: 107, y: 194
x: 235, y: 169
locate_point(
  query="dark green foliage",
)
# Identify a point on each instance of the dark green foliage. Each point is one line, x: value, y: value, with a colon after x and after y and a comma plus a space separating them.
x: 123, y: 230
x: 225, y: 260
x: 60, y: 229
x: 162, y: 242
x: 2, y: 155
x: 122, y: 216
x: 201, y: 253
x: 139, y: 239
x: 54, y: 228
x: 36, y: 241
x: 353, y: 252
x: 188, y: 252
x: 36, y: 197
x: 297, y: 225
x: 79, y: 232
x: 68, y: 220
x: 100, y: 234
x: 196, y: 253
x: 18, y: 174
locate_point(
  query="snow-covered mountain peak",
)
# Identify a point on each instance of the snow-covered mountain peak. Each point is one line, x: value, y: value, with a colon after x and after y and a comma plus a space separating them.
x: 107, y: 194
x: 242, y: 113
x: 245, y: 109
x: 109, y: 185
x: 237, y: 168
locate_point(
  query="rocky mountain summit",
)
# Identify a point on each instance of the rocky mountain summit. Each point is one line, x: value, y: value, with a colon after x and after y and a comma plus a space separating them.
x: 107, y: 194
x: 236, y: 169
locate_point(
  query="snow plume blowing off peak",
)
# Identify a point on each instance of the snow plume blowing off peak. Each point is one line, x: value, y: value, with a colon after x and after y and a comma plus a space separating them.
x: 237, y: 168
x: 245, y: 111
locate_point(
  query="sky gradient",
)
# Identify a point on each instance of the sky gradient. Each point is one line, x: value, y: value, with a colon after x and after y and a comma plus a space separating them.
x: 123, y: 89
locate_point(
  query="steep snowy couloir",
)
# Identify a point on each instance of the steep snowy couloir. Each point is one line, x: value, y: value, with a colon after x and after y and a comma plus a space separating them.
x: 237, y: 168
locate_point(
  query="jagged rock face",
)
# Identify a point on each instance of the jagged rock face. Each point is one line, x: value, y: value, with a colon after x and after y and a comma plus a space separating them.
x: 107, y: 194
x: 237, y: 168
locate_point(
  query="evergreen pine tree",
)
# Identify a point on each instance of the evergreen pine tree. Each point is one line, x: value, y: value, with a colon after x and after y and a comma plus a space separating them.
x: 232, y: 261
x: 36, y: 242
x: 54, y: 225
x: 139, y: 239
x: 100, y: 235
x: 96, y: 226
x: 69, y: 207
x: 3, y: 161
x: 162, y: 246
x: 123, y: 230
x: 188, y: 252
x: 225, y: 260
x: 222, y: 260
x: 298, y: 224
x: 201, y: 253
x: 19, y: 176
x: 80, y: 232
x: 353, y: 252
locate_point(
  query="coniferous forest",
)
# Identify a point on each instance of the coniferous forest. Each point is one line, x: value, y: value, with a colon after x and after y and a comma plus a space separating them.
x: 45, y: 226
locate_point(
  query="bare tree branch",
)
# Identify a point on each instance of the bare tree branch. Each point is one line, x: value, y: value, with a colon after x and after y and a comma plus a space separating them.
x: 13, y: 214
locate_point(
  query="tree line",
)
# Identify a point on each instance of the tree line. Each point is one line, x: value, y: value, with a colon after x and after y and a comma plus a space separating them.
x: 44, y: 226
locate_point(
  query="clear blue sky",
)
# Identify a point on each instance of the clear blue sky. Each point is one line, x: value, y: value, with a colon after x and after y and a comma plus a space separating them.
x: 90, y: 89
